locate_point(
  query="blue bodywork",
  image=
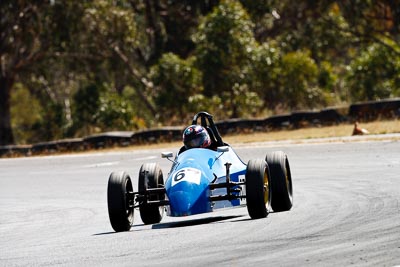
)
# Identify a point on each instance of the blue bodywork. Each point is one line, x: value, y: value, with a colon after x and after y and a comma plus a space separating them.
x: 188, y: 183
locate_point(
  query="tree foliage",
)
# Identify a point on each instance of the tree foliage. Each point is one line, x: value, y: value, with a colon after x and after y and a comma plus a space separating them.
x: 300, y: 74
x: 26, y: 113
x: 86, y: 104
x: 91, y: 66
x: 175, y: 81
x: 223, y: 43
x: 115, y: 112
x: 374, y: 74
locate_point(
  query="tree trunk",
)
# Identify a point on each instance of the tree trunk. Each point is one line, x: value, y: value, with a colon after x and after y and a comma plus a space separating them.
x: 6, y: 134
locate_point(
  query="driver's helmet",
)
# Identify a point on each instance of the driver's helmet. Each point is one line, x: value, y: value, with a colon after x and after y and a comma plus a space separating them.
x: 196, y: 136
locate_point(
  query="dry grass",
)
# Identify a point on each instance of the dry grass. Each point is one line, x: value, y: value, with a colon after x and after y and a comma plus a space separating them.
x: 377, y: 127
x: 342, y: 130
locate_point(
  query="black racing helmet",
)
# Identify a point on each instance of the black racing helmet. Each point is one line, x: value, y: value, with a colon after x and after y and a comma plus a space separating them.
x: 196, y: 136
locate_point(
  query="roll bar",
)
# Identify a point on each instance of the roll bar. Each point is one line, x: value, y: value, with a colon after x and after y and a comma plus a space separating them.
x: 206, y: 120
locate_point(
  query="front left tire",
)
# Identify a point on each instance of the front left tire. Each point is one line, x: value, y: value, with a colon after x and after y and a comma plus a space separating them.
x: 120, y: 206
x: 151, y: 176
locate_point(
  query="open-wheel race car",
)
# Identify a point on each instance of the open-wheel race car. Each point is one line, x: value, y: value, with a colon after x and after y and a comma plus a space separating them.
x: 201, y: 180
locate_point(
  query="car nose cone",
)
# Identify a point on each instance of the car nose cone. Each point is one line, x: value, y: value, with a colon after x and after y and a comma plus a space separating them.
x: 188, y: 199
x: 181, y: 203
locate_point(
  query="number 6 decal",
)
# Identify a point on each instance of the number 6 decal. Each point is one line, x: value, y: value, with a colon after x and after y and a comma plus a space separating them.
x: 190, y: 175
x: 179, y: 175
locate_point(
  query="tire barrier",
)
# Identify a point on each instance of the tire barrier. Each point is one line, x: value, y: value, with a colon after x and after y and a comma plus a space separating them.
x: 373, y: 110
x: 15, y: 150
x: 108, y: 139
x: 165, y: 134
x: 366, y: 111
x: 239, y: 125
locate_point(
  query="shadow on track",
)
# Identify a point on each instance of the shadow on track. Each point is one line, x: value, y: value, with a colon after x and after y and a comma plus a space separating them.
x: 106, y: 233
x: 193, y: 222
x: 177, y: 224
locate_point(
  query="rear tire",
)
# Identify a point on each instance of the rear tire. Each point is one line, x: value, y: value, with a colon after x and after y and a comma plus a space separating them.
x: 120, y: 207
x: 258, y: 193
x: 151, y: 213
x: 281, y: 181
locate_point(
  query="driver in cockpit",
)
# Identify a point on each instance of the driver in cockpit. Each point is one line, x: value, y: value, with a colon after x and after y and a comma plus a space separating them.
x: 195, y: 136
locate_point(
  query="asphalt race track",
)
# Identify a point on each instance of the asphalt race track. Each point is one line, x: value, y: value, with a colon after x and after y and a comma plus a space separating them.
x: 53, y: 211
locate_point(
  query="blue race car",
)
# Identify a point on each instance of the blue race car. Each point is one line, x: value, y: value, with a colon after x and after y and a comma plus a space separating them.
x: 201, y: 180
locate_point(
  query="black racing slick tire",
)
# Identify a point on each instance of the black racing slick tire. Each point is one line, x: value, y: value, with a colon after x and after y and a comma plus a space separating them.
x: 150, y: 176
x: 258, y: 193
x: 281, y: 181
x: 120, y: 206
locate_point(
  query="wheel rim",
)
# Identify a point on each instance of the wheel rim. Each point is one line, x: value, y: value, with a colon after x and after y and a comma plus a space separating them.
x: 266, y: 187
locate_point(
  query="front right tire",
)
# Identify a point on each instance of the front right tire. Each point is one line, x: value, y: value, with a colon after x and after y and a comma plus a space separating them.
x: 258, y: 192
x: 281, y: 181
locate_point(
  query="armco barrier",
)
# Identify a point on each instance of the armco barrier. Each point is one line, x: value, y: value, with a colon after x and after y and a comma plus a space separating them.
x: 108, y: 139
x: 301, y: 119
x: 277, y: 122
x: 328, y: 116
x: 368, y: 111
x: 332, y: 116
x: 158, y: 135
x: 239, y: 125
x: 388, y: 108
x: 15, y: 150
x: 64, y: 145
x: 75, y: 144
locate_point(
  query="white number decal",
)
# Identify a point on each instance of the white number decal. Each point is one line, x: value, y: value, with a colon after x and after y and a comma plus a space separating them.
x: 186, y: 174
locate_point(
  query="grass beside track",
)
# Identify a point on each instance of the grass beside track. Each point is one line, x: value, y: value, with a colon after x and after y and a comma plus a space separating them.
x: 342, y: 130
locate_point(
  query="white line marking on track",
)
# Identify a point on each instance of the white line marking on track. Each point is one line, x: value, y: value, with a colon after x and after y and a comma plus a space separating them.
x: 111, y: 163
x: 145, y: 158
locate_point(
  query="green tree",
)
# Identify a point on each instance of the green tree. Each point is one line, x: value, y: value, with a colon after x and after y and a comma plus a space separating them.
x: 373, y: 21
x: 223, y: 43
x: 113, y: 36
x: 52, y: 123
x: 243, y: 102
x: 265, y: 74
x: 299, y: 76
x: 114, y: 113
x: 23, y: 41
x: 374, y: 74
x: 26, y: 112
x: 86, y: 103
x: 169, y: 26
x: 34, y: 36
x: 175, y: 81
